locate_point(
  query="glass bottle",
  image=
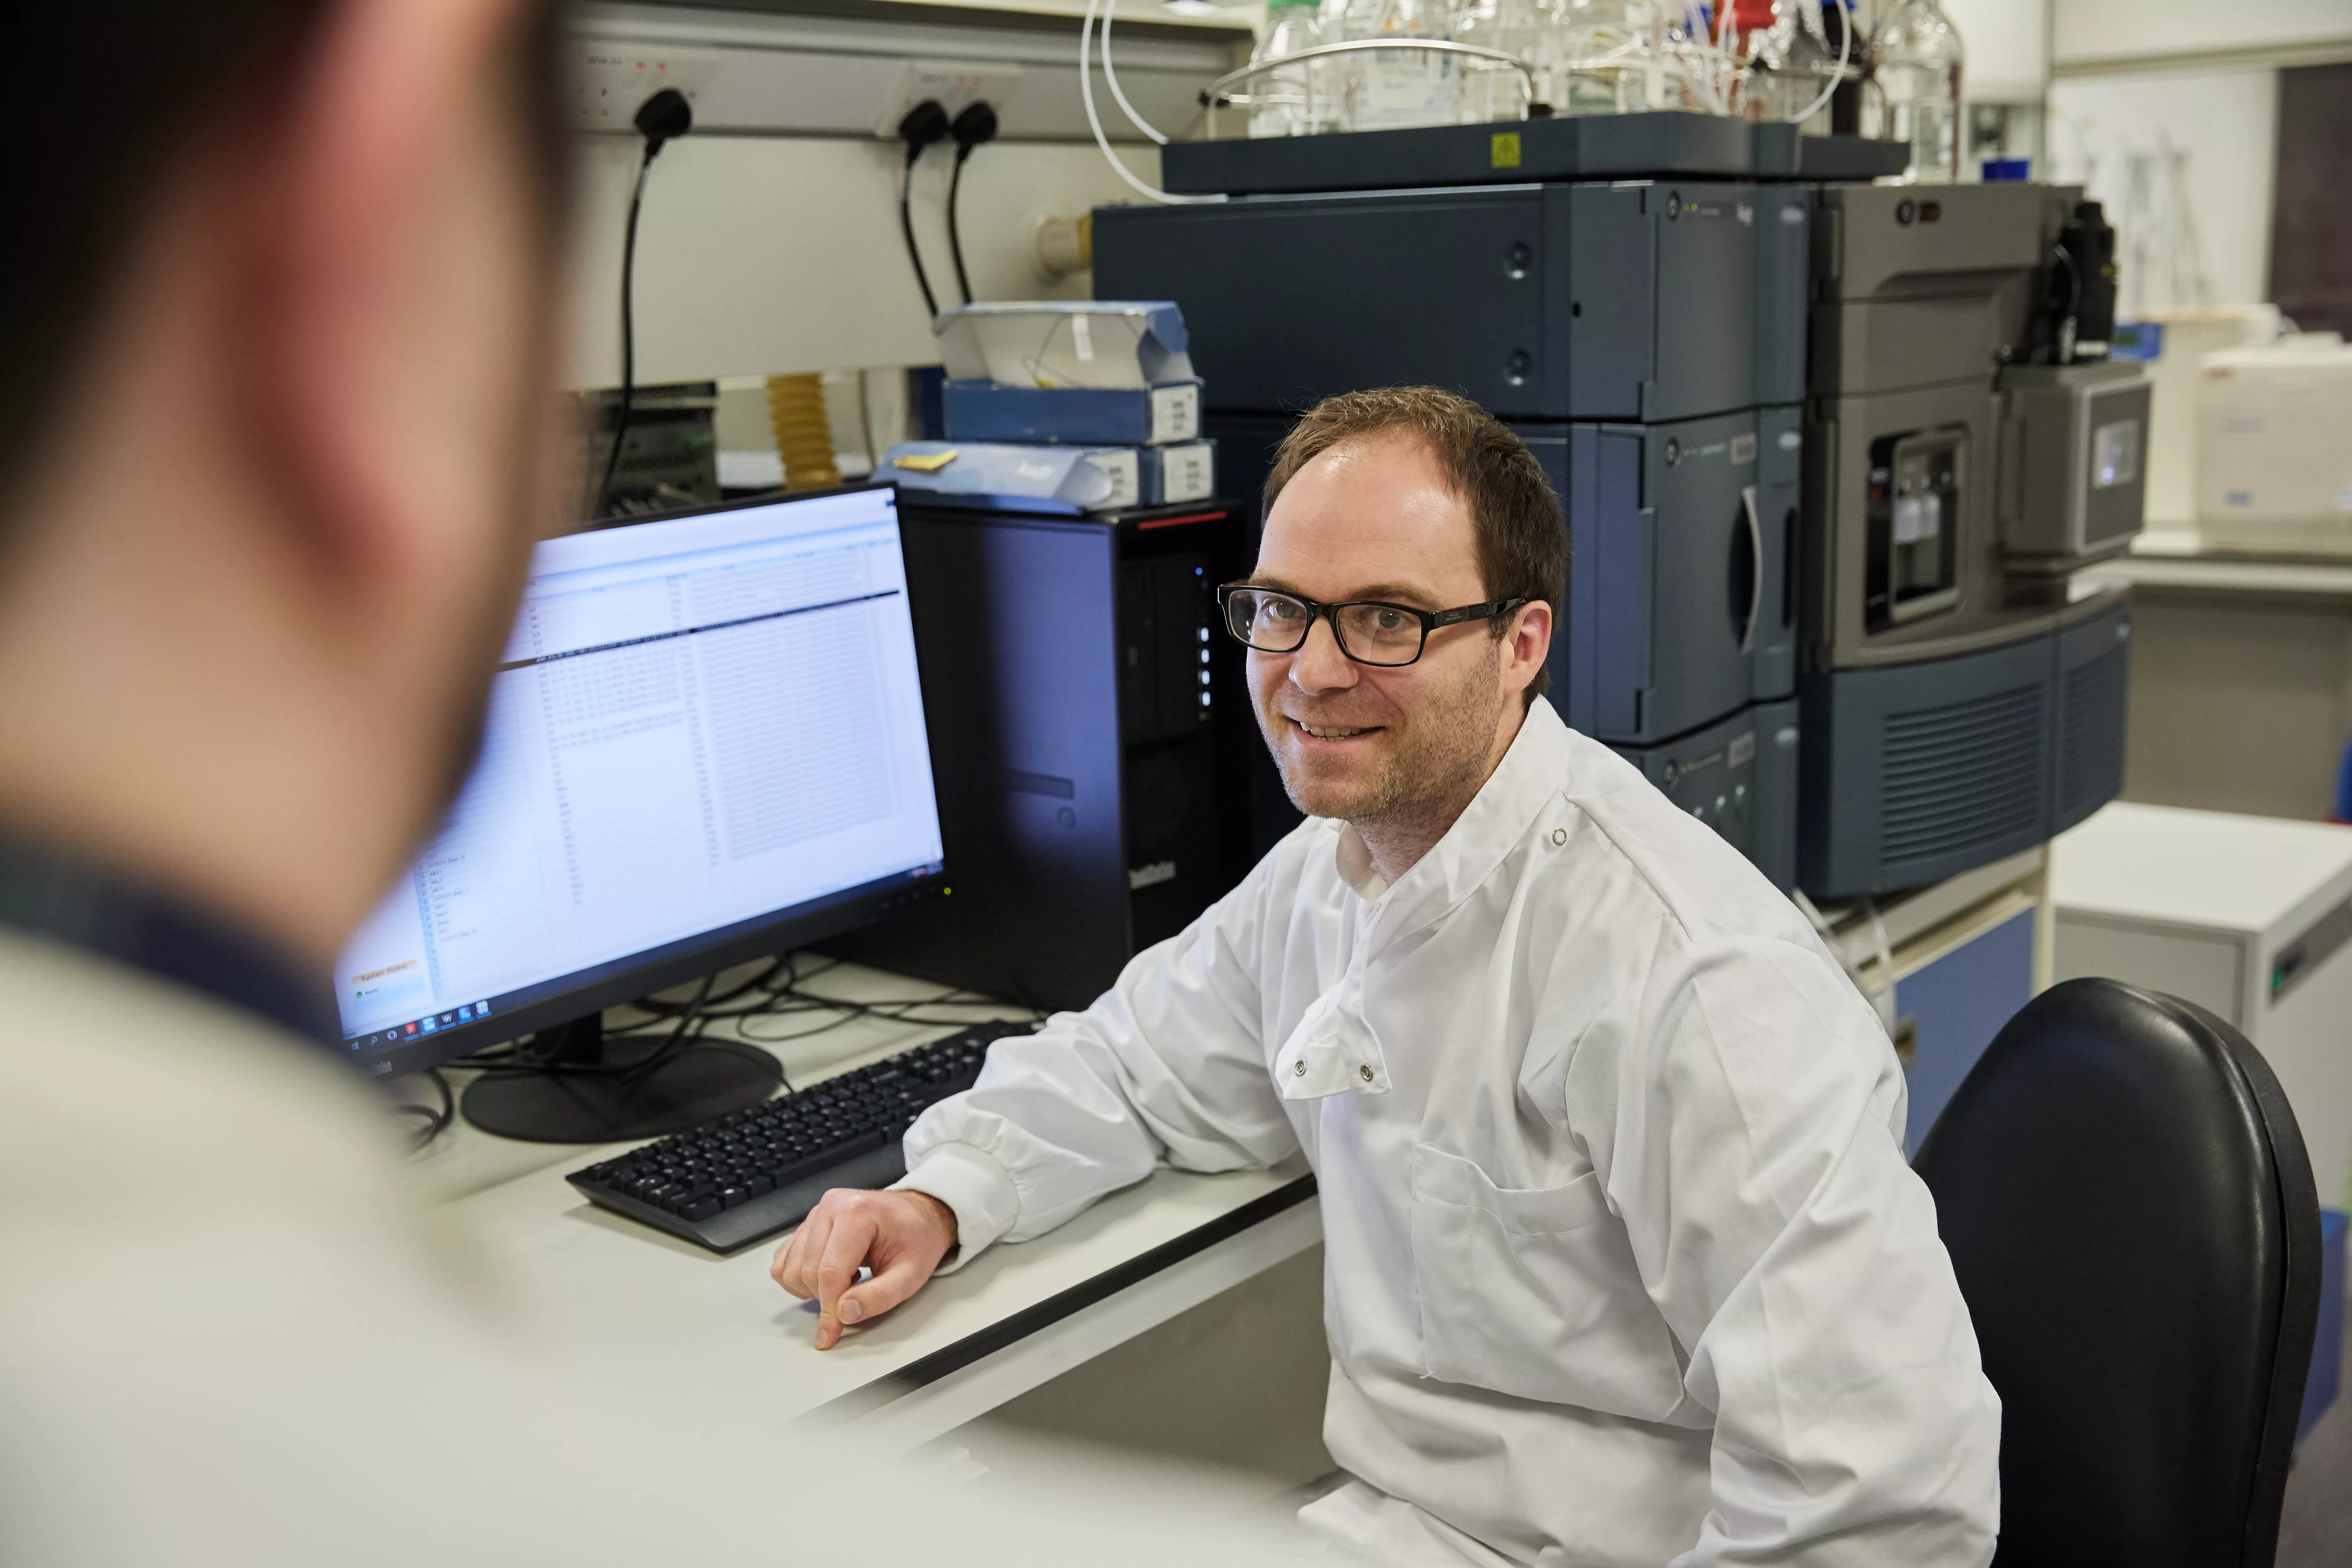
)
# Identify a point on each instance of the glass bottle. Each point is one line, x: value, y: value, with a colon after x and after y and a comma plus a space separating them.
x: 1915, y: 58
x: 1600, y: 57
x: 1288, y: 102
x: 1520, y: 27
x: 1796, y: 65
x: 1389, y: 88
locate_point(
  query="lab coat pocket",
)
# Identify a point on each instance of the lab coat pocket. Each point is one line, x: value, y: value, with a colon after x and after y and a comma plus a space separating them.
x: 1533, y: 1291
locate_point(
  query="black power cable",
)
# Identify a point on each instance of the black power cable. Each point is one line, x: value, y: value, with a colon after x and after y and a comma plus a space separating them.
x: 975, y: 125
x: 434, y: 1119
x: 923, y: 125
x: 661, y: 116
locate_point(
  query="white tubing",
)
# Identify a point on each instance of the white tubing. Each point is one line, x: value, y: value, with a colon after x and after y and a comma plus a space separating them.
x: 1845, y: 50
x: 1094, y: 120
x: 1110, y: 75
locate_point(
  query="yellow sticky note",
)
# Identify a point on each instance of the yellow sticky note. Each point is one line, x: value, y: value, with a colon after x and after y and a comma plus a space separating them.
x: 1507, y: 150
x: 924, y: 462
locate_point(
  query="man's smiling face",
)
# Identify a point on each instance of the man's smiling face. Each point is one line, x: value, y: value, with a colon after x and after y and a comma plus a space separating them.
x: 1375, y: 520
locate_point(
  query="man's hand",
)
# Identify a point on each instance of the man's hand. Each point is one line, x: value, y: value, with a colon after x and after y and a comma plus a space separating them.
x: 901, y: 1236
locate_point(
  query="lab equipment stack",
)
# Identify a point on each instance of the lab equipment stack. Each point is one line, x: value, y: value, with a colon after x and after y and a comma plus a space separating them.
x: 1969, y: 444
x: 1596, y: 284
x: 1063, y: 552
x: 1828, y: 450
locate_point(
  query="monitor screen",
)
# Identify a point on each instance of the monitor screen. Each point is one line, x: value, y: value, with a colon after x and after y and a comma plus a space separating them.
x: 705, y: 742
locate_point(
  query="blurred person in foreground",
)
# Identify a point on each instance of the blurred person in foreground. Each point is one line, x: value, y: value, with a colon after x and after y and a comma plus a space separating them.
x: 277, y: 432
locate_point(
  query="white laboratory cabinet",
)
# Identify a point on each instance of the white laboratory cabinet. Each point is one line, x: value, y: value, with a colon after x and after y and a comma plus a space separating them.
x: 2250, y: 918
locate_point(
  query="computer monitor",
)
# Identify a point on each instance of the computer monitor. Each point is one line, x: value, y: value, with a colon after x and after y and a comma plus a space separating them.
x: 705, y: 744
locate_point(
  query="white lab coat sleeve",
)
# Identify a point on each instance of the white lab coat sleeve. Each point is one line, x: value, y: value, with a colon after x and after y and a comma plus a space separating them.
x: 1747, y: 1121
x: 1169, y: 1063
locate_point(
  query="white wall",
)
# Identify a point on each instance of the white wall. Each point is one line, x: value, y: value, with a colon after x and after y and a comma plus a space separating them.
x: 2089, y: 31
x: 770, y: 240
x: 2226, y: 122
x: 2008, y: 44
x: 759, y: 256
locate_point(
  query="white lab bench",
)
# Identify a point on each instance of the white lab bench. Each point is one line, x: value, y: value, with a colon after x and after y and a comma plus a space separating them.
x: 2248, y: 916
x: 2240, y: 676
x: 1015, y: 1319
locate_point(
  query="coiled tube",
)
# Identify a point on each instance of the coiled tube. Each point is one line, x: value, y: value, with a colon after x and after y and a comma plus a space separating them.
x: 803, y: 438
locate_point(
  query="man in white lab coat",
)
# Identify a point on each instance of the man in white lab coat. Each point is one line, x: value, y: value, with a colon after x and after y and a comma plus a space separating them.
x: 1623, y: 1261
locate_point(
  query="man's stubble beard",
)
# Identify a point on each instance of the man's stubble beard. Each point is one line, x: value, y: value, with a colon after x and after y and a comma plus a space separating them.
x: 1432, y: 776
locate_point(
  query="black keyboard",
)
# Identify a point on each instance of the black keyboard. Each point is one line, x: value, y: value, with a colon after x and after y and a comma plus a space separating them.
x: 752, y: 1172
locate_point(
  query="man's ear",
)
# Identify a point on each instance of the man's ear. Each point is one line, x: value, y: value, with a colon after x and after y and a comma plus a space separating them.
x: 1526, y: 643
x: 371, y: 281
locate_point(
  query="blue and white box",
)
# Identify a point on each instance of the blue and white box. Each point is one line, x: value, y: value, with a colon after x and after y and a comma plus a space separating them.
x: 1077, y: 480
x: 1185, y: 472
x: 1076, y: 372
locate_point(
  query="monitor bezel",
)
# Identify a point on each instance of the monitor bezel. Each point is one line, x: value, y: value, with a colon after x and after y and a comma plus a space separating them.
x: 633, y: 975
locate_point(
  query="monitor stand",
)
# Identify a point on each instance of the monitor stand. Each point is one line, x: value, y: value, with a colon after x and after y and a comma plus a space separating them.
x: 560, y: 1103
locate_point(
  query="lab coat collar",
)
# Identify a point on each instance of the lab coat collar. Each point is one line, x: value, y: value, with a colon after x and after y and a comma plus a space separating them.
x: 1354, y: 858
x: 1335, y: 1048
x: 1496, y: 819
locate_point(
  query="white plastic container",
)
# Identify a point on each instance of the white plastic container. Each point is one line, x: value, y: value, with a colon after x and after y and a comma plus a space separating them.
x: 2175, y: 373
x: 2275, y: 446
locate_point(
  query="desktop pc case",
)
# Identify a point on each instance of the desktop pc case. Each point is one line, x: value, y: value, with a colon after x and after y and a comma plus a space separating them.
x: 1079, y: 694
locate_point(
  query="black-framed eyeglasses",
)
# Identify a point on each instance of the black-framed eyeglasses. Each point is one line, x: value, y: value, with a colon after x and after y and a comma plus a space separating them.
x: 1369, y: 631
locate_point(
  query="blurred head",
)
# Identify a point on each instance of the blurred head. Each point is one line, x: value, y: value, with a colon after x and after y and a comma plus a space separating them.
x: 277, y: 428
x: 1414, y: 497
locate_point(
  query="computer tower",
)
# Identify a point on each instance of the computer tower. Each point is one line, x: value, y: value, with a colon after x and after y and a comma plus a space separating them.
x: 1078, y: 693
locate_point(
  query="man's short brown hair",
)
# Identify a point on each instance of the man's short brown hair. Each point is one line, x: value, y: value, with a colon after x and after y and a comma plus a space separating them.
x: 1522, y: 546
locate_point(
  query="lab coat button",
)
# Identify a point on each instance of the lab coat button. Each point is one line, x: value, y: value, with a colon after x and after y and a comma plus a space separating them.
x: 1300, y: 1069
x: 1365, y: 1073
x: 1559, y: 835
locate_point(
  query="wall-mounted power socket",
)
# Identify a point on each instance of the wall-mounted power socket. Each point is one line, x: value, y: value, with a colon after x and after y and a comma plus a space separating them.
x: 953, y: 83
x: 610, y: 80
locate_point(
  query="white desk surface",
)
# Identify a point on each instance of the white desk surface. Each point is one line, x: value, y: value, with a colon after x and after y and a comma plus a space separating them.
x: 2178, y: 558
x: 2207, y: 868
x: 1014, y: 1318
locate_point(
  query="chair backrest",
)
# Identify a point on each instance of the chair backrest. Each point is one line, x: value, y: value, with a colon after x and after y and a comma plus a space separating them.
x: 2129, y: 1209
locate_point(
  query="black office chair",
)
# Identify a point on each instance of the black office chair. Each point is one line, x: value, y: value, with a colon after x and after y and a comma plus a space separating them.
x: 2127, y: 1203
